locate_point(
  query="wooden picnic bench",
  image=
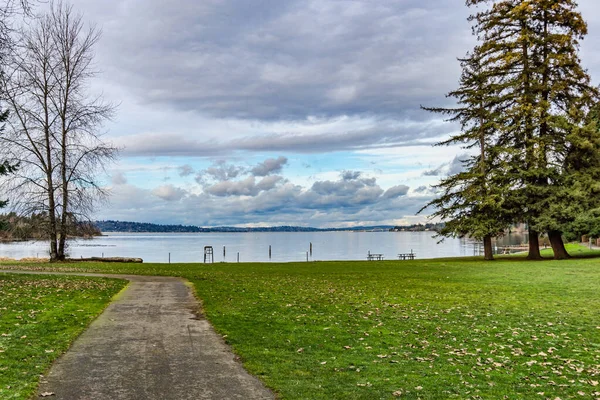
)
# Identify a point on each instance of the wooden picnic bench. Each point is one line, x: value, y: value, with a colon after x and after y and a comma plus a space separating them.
x: 406, y: 256
x: 374, y: 256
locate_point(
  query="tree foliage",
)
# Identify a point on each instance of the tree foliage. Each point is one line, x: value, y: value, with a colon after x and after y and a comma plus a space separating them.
x: 535, y: 99
x: 470, y: 200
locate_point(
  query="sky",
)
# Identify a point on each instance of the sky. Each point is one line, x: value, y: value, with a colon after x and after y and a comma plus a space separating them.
x: 270, y: 112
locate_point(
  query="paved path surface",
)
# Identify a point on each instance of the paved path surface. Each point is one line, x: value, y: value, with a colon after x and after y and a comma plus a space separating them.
x: 150, y: 344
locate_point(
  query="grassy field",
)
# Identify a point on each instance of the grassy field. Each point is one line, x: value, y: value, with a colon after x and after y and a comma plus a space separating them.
x: 426, y: 329
x: 39, y: 317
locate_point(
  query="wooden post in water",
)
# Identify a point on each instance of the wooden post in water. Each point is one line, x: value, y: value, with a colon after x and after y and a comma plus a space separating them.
x: 238, y: 258
x: 223, y: 253
x: 310, y: 249
x: 169, y: 258
x: 269, y: 252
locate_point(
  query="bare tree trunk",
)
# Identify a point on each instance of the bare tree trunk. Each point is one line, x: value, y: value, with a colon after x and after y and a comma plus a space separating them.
x: 534, y: 246
x: 488, y: 251
x: 65, y: 192
x: 558, y: 246
x: 52, y: 231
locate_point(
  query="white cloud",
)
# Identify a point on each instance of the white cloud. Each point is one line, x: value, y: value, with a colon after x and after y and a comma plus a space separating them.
x: 396, y: 191
x: 233, y: 80
x: 350, y: 199
x: 269, y: 166
x: 118, y: 178
x: 169, y: 193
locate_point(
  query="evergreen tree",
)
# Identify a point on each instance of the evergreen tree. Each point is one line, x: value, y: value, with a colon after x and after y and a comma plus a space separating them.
x: 524, y: 92
x: 543, y: 94
x: 471, y: 202
x: 565, y: 99
x: 582, y: 168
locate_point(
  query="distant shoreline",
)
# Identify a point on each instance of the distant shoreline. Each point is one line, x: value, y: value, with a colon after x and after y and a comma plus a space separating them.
x: 140, y: 227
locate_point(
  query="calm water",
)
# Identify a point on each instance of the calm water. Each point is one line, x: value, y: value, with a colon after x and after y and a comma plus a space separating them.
x: 291, y: 246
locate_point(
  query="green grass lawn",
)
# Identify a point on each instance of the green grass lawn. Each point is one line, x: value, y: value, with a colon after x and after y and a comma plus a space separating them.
x: 39, y: 317
x: 428, y: 329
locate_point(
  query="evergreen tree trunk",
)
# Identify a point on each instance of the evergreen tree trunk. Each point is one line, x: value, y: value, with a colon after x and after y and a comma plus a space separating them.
x: 534, y: 246
x: 488, y: 251
x: 558, y: 246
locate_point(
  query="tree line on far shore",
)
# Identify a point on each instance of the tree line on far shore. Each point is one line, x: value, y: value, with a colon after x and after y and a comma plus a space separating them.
x: 15, y: 227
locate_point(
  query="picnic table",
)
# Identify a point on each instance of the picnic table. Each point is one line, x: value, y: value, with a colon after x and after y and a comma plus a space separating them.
x: 374, y: 256
x: 406, y: 256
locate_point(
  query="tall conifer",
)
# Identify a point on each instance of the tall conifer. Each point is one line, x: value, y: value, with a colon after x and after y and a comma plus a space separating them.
x: 471, y: 202
x: 538, y: 97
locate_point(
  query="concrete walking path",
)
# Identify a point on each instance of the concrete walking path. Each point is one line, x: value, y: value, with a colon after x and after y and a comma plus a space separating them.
x: 150, y: 344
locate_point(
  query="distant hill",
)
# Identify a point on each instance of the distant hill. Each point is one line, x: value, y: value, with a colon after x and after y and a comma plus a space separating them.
x: 142, y: 227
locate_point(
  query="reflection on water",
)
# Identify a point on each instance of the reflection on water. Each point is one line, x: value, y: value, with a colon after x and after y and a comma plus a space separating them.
x: 289, y: 246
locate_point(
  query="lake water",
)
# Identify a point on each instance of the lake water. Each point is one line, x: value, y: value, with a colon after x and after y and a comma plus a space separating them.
x: 253, y: 247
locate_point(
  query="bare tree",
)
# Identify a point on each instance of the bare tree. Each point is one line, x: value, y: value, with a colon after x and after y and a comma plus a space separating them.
x: 8, y: 10
x: 53, y: 128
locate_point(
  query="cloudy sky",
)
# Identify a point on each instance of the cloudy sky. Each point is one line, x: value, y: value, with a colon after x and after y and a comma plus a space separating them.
x: 270, y: 112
